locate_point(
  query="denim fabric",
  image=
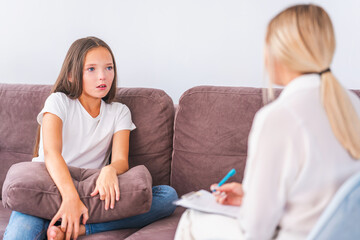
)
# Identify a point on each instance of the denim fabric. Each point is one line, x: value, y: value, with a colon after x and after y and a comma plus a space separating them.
x: 27, y: 227
x: 161, y: 207
x: 341, y: 218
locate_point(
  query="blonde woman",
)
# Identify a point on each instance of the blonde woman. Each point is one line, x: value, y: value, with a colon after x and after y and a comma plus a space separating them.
x: 302, y: 146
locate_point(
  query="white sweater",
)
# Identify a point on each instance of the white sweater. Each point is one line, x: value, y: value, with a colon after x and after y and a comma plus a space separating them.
x: 295, y: 164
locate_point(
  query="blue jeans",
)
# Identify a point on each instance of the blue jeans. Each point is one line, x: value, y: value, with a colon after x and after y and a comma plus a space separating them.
x: 27, y: 227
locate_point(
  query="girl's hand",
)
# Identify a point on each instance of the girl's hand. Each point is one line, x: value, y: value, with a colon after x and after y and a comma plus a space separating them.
x: 70, y: 212
x: 107, y: 186
x: 229, y: 193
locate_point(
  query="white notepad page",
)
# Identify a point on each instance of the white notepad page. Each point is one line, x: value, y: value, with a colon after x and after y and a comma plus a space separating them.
x: 204, y: 201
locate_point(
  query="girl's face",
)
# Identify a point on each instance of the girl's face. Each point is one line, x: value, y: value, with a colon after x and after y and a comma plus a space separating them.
x: 98, y: 73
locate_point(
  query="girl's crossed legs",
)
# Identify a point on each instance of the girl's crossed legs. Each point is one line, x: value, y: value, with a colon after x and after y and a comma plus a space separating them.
x: 23, y: 226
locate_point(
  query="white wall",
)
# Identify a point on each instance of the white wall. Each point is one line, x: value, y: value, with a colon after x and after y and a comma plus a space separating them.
x: 168, y: 44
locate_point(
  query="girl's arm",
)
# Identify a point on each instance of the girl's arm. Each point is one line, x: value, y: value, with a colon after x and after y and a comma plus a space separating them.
x: 71, y: 207
x: 107, y: 185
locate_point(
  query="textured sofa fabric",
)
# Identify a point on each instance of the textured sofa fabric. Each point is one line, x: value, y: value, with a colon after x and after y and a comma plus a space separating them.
x: 19, y: 106
x: 210, y: 137
x: 153, y: 113
x: 37, y: 194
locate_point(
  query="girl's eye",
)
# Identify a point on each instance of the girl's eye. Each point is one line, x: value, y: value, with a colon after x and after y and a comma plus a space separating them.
x: 109, y: 68
x: 91, y: 69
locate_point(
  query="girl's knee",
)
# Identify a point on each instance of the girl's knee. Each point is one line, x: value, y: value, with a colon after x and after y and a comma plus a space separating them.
x: 165, y: 192
x: 23, y: 226
x: 167, y: 195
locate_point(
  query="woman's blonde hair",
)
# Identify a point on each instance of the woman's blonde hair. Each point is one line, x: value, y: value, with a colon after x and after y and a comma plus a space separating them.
x: 302, y: 39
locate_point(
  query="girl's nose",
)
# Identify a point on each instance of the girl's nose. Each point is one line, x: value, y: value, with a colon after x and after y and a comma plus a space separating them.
x: 102, y: 75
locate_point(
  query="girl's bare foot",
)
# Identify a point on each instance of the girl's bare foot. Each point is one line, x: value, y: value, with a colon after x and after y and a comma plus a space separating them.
x: 55, y: 233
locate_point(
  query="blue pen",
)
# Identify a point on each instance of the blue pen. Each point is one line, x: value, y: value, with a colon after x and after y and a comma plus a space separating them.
x: 230, y: 174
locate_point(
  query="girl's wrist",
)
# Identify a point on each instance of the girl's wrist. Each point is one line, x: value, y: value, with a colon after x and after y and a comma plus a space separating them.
x: 119, y: 167
x: 111, y: 168
x: 70, y: 196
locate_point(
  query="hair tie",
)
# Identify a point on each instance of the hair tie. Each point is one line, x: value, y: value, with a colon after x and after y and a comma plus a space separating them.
x: 326, y: 70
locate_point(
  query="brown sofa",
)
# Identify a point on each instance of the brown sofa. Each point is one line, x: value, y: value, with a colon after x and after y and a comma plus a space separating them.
x: 188, y: 146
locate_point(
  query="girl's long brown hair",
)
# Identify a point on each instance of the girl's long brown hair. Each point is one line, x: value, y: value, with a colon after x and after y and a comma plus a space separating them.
x: 73, y: 67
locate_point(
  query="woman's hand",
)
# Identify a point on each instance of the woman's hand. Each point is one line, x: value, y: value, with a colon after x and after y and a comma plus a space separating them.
x: 70, y: 211
x: 229, y: 193
x: 107, y: 186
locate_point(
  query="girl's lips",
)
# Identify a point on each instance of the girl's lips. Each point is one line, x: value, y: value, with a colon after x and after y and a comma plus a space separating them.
x: 102, y: 86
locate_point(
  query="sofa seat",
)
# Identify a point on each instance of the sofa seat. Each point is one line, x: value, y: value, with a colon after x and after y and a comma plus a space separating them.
x: 162, y: 229
x: 4, y: 219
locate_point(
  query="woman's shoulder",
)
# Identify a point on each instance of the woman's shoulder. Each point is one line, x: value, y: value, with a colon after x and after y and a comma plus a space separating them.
x: 277, y: 115
x: 274, y: 110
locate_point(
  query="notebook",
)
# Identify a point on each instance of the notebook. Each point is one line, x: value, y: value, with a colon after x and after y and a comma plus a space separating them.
x: 204, y: 201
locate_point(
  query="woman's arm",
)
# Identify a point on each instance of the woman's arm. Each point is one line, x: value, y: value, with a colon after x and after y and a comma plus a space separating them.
x: 107, y: 185
x: 71, y: 207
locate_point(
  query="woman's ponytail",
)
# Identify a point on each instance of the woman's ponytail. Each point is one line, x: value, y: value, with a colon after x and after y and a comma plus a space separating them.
x: 343, y: 118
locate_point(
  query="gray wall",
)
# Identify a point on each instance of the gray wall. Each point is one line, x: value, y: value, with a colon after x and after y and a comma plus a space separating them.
x: 168, y: 44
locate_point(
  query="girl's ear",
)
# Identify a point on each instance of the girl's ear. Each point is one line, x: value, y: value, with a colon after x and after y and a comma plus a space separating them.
x: 70, y: 78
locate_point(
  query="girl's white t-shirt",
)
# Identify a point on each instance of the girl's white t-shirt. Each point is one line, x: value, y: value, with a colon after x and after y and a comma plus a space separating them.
x: 86, y: 141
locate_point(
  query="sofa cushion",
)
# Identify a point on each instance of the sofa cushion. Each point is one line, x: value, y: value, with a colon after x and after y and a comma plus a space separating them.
x: 211, y: 130
x: 4, y: 219
x: 162, y: 229
x: 19, y: 107
x: 114, y: 234
x: 28, y: 188
x: 151, y: 142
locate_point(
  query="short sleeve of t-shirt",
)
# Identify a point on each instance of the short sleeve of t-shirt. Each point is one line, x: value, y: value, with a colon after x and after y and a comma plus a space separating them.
x: 123, y: 121
x: 55, y: 104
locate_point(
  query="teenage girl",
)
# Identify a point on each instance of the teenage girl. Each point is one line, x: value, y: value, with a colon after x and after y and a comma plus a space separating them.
x: 79, y: 122
x: 302, y: 147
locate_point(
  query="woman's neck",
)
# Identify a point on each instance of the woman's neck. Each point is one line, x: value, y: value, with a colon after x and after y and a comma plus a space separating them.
x: 289, y: 76
x: 284, y: 75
